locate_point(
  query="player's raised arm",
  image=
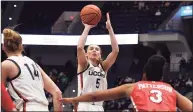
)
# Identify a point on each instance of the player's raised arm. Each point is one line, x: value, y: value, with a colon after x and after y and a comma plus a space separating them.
x: 110, y: 94
x: 111, y: 58
x: 82, y: 61
x: 184, y: 103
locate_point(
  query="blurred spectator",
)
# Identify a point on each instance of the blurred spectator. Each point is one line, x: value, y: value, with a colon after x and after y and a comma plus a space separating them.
x: 146, y: 7
x: 189, y: 96
x: 182, y: 65
x: 190, y: 63
x: 53, y: 75
x: 136, y: 61
x: 141, y: 5
x: 63, y: 79
x: 70, y: 69
x: 189, y: 82
x: 167, y: 4
x: 134, y: 66
x: 50, y: 100
x: 128, y: 80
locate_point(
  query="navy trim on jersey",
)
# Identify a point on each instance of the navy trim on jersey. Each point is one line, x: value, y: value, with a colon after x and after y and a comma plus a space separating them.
x: 95, y: 65
x: 22, y: 97
x: 84, y: 70
x: 81, y: 81
x: 102, y: 66
x: 18, y: 74
x: 98, y: 65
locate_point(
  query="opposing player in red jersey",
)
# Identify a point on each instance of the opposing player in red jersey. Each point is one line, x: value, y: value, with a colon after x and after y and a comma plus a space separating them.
x: 148, y: 95
x: 7, y: 104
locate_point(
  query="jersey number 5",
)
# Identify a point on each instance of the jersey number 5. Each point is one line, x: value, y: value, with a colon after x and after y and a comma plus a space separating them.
x: 158, y: 96
x: 35, y: 71
x: 97, y: 83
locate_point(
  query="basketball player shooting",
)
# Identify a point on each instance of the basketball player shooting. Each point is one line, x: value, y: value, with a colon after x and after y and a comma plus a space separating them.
x: 91, y: 69
x: 151, y: 94
x: 26, y: 79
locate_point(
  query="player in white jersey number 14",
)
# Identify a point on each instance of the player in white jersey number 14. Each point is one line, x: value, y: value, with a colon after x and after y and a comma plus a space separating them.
x: 26, y: 79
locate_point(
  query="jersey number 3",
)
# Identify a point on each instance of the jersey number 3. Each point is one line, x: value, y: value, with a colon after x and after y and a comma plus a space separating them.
x: 34, y: 73
x: 97, y: 83
x: 157, y: 98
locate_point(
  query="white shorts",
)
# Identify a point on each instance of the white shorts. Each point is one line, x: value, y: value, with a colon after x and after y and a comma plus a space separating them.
x: 89, y: 107
x: 35, y: 107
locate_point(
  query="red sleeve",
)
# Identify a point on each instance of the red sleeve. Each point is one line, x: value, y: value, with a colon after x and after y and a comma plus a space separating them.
x: 6, y: 101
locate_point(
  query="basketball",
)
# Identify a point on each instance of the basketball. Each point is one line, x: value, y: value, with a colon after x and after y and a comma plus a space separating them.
x: 90, y: 14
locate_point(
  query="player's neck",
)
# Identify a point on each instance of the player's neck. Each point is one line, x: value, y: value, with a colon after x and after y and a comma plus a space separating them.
x: 14, y: 54
x: 94, y: 62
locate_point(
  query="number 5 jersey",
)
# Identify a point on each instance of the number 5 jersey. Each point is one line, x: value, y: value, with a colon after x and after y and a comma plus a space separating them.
x: 92, y: 79
x: 153, y: 96
x: 27, y: 86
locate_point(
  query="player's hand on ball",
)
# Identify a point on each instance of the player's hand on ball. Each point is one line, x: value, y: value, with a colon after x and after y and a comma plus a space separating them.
x: 108, y: 22
x: 89, y: 26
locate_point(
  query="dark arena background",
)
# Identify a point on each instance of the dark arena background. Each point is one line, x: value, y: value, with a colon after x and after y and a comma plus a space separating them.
x: 163, y: 27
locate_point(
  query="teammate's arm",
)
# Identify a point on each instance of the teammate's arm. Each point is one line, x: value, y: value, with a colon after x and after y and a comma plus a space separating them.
x: 51, y: 87
x: 183, y: 103
x: 108, y: 62
x: 110, y: 94
x: 82, y: 61
x: 4, y: 71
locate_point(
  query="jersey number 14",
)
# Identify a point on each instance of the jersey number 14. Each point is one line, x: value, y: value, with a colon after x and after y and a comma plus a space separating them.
x: 34, y: 72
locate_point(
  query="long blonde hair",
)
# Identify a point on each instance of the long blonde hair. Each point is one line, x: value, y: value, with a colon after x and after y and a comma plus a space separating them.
x: 12, y: 41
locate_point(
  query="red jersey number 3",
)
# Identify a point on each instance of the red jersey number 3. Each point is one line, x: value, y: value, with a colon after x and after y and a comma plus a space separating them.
x: 156, y: 96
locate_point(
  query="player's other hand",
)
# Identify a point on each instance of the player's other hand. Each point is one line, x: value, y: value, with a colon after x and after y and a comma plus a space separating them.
x: 72, y: 101
x: 108, y: 22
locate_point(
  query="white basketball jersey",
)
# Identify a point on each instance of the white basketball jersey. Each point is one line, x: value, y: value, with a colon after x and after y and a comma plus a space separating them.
x: 28, y: 83
x: 91, y: 80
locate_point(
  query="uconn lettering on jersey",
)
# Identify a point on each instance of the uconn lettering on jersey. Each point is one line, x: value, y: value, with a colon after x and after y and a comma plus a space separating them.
x: 95, y: 73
